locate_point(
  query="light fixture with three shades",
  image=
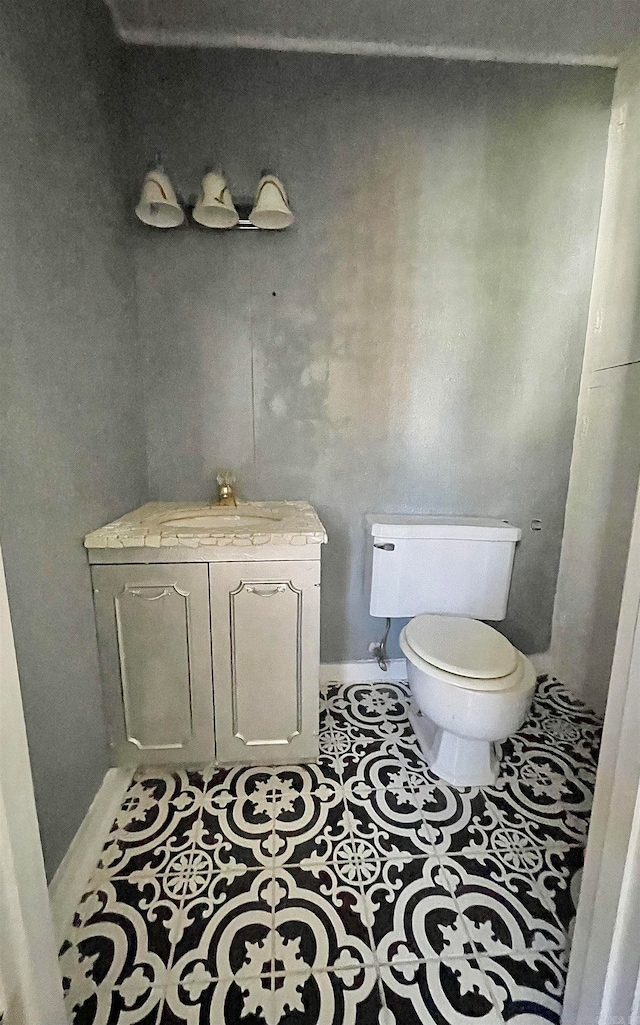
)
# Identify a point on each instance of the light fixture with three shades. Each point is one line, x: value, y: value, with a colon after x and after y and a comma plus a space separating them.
x: 214, y: 207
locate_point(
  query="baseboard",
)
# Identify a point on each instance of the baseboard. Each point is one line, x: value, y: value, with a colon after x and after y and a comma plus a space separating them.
x: 541, y: 662
x: 359, y: 672
x: 69, y: 883
x: 368, y: 669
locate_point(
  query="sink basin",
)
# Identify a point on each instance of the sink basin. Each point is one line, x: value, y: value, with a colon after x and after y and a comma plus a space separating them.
x: 221, y: 519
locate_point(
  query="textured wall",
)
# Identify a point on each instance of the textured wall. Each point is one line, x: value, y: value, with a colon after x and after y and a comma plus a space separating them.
x: 606, y: 455
x: 414, y: 342
x: 71, y: 451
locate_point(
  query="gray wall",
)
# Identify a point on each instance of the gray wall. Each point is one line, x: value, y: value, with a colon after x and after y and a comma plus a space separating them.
x: 414, y: 342
x: 71, y: 450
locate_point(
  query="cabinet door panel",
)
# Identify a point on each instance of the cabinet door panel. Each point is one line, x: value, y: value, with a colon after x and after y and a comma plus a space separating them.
x: 153, y: 632
x: 152, y: 625
x: 261, y: 613
x: 266, y: 660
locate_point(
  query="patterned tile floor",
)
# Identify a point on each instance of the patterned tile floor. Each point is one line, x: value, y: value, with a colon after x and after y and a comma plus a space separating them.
x: 359, y: 891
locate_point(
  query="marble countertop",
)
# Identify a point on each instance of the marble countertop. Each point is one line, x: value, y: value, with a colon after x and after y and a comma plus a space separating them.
x: 170, y: 525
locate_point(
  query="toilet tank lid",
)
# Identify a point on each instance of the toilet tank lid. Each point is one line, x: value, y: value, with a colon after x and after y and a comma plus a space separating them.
x: 460, y: 528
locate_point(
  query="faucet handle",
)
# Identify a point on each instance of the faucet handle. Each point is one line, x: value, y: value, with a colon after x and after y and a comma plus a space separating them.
x: 226, y: 481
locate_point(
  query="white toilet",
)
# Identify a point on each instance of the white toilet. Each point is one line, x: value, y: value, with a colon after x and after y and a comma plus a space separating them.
x: 471, y: 686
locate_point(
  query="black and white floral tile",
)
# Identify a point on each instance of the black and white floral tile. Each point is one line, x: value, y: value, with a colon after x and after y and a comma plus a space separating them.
x: 359, y: 891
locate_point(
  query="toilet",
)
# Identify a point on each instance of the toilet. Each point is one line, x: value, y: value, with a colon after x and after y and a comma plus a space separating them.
x: 470, y: 686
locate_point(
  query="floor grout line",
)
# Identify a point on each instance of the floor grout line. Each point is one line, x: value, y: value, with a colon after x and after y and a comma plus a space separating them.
x: 516, y: 952
x: 309, y: 863
x: 272, y: 938
x: 372, y: 943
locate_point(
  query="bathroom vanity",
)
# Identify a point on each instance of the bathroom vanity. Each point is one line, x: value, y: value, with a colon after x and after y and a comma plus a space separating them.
x: 208, y: 632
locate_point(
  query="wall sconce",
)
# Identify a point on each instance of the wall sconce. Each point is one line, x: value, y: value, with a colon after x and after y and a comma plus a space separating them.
x: 214, y: 207
x: 271, y: 207
x: 158, y: 205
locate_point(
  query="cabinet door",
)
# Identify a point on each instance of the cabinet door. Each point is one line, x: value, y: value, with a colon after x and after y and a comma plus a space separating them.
x: 155, y: 655
x: 265, y: 627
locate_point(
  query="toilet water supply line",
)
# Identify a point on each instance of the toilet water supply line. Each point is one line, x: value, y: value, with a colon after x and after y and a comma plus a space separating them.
x: 379, y: 649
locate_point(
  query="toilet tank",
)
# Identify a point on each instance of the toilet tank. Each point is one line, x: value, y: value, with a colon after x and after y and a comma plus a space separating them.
x: 450, y: 566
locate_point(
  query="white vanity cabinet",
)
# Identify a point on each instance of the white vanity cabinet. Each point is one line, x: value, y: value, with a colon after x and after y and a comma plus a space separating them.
x: 264, y: 625
x: 209, y: 648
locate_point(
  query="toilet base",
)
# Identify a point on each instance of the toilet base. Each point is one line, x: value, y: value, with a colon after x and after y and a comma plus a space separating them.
x: 457, y: 760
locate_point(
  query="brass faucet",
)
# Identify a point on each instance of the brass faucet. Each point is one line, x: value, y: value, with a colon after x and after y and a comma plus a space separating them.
x: 226, y: 495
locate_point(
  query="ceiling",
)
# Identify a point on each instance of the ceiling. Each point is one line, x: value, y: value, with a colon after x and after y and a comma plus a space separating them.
x: 549, y: 31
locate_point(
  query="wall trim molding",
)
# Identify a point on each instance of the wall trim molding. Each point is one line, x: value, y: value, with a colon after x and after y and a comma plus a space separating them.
x: 367, y: 670
x: 68, y: 884
x: 362, y: 671
x: 541, y: 662
x: 356, y: 47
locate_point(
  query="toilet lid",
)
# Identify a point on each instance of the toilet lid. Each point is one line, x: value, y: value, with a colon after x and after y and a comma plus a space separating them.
x: 464, y: 647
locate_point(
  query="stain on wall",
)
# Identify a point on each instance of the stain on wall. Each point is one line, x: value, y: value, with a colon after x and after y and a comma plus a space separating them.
x: 72, y: 450
x: 414, y: 342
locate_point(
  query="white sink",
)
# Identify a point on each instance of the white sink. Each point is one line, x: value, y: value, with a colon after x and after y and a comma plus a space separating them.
x: 221, y: 519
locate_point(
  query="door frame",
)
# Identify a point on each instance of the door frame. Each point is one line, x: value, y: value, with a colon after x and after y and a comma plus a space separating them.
x: 31, y: 983
x: 603, y: 982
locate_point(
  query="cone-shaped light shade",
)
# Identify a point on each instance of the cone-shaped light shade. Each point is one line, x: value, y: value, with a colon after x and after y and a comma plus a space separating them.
x: 271, y: 207
x: 214, y: 207
x: 158, y: 205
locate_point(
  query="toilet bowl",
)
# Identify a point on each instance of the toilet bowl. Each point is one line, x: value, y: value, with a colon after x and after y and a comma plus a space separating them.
x: 471, y: 687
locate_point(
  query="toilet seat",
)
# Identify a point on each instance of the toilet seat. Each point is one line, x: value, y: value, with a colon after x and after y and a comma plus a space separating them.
x: 465, y: 647
x: 463, y: 652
